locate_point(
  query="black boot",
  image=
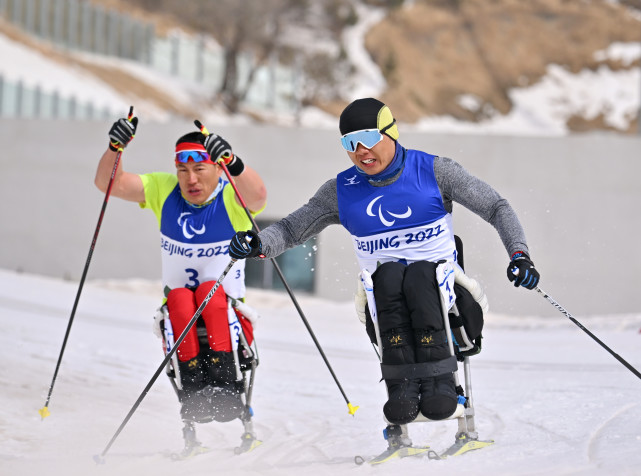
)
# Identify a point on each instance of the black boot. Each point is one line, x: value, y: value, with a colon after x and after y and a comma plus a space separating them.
x: 221, y: 368
x: 225, y: 403
x: 192, y: 375
x: 402, y: 405
x: 438, y: 394
x: 192, y: 378
x: 223, y: 390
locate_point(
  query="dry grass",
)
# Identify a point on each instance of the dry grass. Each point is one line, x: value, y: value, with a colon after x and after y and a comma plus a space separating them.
x: 436, y: 50
x: 433, y: 52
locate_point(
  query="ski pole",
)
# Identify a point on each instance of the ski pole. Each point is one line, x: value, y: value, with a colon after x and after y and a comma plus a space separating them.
x: 44, y: 411
x: 569, y: 316
x: 351, y: 408
x: 100, y: 458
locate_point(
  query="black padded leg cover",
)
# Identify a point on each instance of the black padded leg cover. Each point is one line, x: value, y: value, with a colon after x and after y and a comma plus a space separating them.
x: 422, y: 296
x: 212, y: 403
x: 438, y: 394
x: 192, y: 375
x: 402, y: 405
x: 391, y: 309
x: 221, y: 368
x: 438, y: 397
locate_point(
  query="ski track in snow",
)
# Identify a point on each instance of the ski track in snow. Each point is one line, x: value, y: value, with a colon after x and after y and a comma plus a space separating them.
x: 553, y: 401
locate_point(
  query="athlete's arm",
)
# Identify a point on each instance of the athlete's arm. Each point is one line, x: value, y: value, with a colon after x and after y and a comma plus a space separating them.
x: 304, y: 223
x: 251, y: 188
x: 126, y: 185
x: 457, y: 184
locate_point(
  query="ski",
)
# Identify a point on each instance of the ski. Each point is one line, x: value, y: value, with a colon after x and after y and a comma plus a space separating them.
x: 462, y: 445
x: 189, y: 452
x: 249, y: 443
x: 394, y: 453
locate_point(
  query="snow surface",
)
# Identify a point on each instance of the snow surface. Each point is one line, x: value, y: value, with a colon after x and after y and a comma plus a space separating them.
x: 551, y: 398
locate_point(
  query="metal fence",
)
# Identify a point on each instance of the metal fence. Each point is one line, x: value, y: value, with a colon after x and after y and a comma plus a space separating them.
x: 17, y: 100
x: 81, y: 26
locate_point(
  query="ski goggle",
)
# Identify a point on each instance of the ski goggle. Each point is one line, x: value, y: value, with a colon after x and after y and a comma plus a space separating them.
x: 196, y: 155
x: 368, y: 137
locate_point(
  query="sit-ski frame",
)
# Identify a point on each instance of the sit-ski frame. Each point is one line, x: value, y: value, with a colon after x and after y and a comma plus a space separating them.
x: 237, y: 336
x: 466, y: 437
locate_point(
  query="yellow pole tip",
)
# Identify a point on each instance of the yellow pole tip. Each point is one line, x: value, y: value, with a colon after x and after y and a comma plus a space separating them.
x: 352, y: 408
x: 44, y: 412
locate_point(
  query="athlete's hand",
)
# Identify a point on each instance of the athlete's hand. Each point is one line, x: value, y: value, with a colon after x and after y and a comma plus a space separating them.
x: 123, y: 131
x: 220, y: 151
x: 245, y: 244
x: 521, y: 271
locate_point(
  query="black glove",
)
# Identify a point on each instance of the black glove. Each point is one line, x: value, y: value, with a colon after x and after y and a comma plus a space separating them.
x: 240, y: 247
x: 121, y: 133
x: 219, y: 149
x: 522, y: 272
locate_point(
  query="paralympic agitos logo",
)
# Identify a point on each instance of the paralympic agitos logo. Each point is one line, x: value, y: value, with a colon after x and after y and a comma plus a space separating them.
x: 188, y: 230
x: 382, y: 214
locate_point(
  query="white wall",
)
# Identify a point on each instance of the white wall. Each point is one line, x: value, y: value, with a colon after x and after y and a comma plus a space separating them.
x: 578, y: 199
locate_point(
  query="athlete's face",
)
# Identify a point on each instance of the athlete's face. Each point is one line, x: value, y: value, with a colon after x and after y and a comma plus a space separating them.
x: 376, y: 159
x: 197, y: 180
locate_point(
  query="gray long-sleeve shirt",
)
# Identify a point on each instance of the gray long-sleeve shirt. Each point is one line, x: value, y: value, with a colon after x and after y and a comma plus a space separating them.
x: 455, y: 184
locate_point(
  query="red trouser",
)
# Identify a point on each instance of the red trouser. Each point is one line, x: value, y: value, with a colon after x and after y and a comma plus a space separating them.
x: 182, y: 304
